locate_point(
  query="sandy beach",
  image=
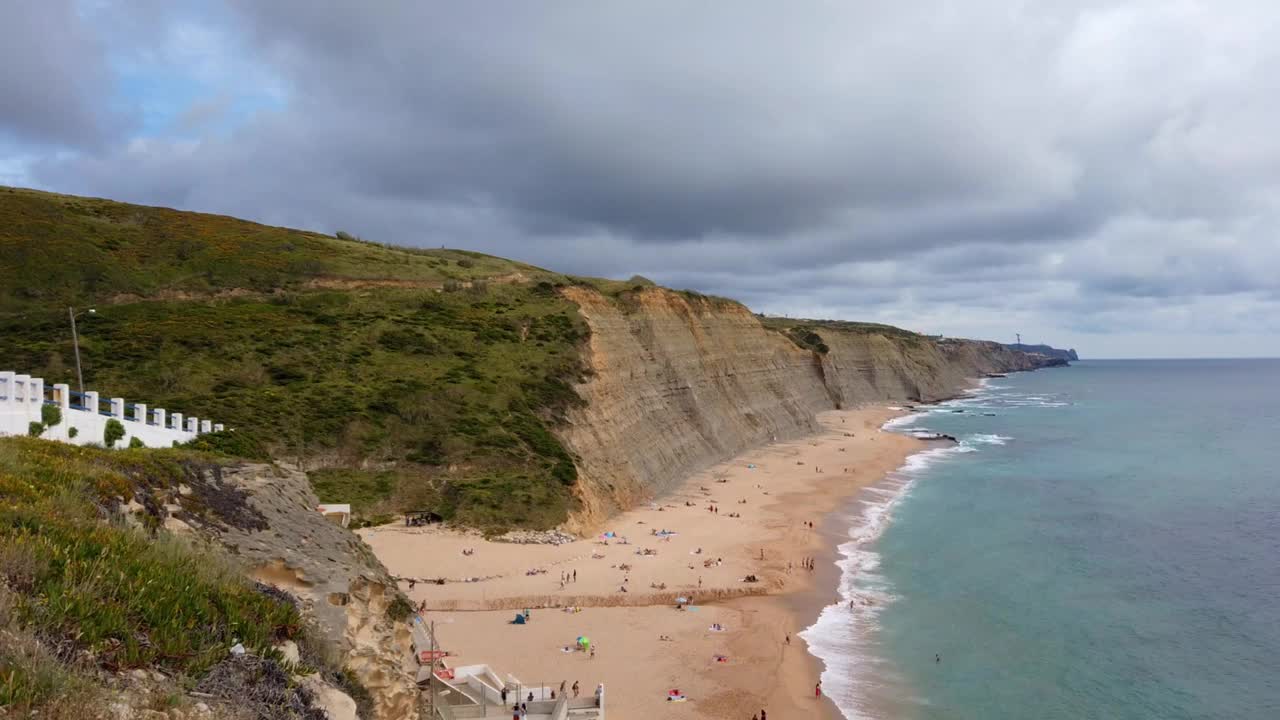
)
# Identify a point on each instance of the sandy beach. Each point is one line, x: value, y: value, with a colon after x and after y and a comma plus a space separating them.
x: 749, y: 516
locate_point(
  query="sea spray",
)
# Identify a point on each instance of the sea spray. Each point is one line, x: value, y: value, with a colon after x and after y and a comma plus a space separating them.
x: 855, y: 677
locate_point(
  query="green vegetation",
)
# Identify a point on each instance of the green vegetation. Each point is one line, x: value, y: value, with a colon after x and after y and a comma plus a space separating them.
x: 788, y: 325
x: 624, y: 291
x: 50, y: 415
x: 807, y: 334
x: 407, y: 379
x: 112, y: 432
x: 60, y: 250
x: 106, y: 596
x: 806, y: 338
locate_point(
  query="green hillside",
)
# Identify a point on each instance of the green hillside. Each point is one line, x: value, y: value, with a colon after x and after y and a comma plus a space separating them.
x: 401, y: 379
x: 63, y: 249
x: 83, y: 598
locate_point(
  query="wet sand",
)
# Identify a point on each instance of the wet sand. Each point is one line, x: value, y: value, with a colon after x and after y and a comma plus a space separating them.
x: 784, y: 485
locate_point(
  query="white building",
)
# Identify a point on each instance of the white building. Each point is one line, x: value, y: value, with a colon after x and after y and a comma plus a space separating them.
x: 22, y: 397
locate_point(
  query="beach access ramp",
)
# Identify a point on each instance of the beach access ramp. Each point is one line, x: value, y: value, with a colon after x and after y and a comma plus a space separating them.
x: 475, y: 691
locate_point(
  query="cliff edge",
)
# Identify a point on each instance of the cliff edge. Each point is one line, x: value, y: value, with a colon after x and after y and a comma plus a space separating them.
x: 678, y: 382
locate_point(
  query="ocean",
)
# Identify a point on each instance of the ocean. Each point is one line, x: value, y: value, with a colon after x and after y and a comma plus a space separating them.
x: 1104, y: 542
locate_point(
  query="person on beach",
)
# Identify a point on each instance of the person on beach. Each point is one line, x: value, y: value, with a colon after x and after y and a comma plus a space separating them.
x: 937, y: 658
x: 575, y: 688
x: 593, y: 652
x: 575, y: 576
x: 504, y: 696
x: 817, y: 690
x: 763, y: 715
x: 787, y: 639
x: 515, y: 712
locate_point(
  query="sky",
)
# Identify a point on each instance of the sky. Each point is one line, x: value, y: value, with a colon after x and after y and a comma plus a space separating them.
x: 1092, y: 174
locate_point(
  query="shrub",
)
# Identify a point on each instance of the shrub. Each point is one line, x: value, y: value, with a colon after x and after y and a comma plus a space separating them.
x: 50, y: 415
x: 465, y: 263
x: 400, y: 608
x: 72, y: 432
x: 33, y: 681
x: 136, y: 443
x: 113, y: 432
x: 344, y: 235
x: 233, y: 443
x: 34, y: 429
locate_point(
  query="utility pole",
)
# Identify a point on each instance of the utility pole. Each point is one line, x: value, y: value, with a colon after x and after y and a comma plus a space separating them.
x: 75, y: 340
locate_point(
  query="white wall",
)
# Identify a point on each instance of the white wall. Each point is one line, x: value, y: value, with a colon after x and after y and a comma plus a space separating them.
x: 21, y: 397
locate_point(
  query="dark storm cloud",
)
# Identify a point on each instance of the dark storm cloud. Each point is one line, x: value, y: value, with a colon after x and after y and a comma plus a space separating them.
x: 974, y: 168
x: 53, y: 87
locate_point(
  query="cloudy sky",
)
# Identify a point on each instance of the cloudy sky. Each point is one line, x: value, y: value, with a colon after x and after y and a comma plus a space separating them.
x: 1097, y: 174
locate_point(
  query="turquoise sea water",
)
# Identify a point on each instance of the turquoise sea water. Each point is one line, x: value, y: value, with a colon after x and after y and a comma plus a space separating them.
x: 1104, y: 543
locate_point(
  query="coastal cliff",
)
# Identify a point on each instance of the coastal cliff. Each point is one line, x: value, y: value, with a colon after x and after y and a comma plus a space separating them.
x: 678, y: 382
x: 1046, y: 350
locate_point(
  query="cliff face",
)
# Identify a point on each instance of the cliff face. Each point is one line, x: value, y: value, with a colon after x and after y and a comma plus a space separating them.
x: 331, y: 572
x: 681, y: 383
x: 1046, y: 350
x: 678, y: 384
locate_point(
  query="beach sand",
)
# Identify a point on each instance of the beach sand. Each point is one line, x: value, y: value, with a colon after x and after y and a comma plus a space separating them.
x: 784, y: 485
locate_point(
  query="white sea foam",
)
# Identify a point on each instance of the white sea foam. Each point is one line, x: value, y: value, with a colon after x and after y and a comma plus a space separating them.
x: 984, y: 439
x: 843, y: 635
x: 901, y: 422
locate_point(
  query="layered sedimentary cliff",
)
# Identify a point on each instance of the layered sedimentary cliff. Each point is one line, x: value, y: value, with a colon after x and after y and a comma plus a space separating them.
x: 679, y: 383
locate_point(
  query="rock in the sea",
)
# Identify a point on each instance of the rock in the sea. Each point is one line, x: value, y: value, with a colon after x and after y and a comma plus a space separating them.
x: 937, y: 436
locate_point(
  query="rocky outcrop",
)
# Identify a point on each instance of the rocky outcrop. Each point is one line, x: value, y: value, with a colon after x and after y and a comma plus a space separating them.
x: 679, y: 382
x: 334, y: 574
x: 1046, y: 350
x: 265, y: 515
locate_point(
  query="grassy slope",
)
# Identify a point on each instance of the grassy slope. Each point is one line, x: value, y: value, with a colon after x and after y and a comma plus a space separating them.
x: 377, y: 364
x: 63, y: 250
x: 78, y: 593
